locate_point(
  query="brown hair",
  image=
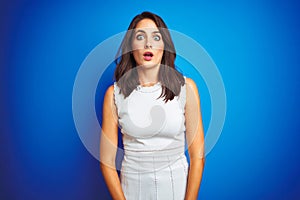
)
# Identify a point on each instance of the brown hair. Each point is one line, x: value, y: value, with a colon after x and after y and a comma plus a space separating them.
x: 126, y: 73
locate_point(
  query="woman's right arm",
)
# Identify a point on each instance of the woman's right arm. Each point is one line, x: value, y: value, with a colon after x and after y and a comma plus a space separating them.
x: 109, y: 145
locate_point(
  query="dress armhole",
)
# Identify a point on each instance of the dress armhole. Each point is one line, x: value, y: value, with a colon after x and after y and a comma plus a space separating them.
x: 182, y: 96
x: 116, y: 96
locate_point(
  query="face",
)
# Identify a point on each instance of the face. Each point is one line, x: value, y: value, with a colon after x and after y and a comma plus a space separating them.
x: 147, y: 44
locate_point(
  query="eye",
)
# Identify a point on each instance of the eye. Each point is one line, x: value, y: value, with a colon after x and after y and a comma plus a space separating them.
x: 140, y: 37
x: 156, y: 37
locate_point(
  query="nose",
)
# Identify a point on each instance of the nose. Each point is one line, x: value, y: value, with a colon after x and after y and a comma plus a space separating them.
x: 148, y: 44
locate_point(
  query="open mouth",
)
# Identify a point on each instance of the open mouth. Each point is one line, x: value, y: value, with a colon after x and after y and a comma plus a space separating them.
x: 148, y: 56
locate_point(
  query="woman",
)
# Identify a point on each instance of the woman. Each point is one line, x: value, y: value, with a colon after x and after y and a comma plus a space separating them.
x: 158, y: 111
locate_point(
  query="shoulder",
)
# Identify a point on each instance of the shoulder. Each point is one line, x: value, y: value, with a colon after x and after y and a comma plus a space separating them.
x: 109, y: 94
x: 192, y: 93
x: 109, y: 108
x: 190, y: 81
x: 191, y: 85
x: 109, y: 90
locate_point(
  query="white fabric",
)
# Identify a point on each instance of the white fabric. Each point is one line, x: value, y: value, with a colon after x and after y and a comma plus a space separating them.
x: 154, y: 164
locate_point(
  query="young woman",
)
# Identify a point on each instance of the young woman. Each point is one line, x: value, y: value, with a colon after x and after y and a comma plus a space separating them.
x: 158, y: 112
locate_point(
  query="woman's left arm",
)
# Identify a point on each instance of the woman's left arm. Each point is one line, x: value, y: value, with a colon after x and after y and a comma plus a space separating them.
x: 195, y: 139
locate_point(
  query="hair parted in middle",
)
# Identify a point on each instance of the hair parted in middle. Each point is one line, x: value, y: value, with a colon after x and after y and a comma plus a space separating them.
x: 126, y: 74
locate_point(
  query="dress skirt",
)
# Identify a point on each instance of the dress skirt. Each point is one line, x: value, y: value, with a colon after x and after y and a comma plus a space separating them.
x: 154, y: 177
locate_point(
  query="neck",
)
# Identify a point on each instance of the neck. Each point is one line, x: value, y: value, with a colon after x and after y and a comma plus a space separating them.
x: 148, y: 76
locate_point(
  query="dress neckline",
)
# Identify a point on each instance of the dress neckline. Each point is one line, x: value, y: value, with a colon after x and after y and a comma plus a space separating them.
x: 148, y: 89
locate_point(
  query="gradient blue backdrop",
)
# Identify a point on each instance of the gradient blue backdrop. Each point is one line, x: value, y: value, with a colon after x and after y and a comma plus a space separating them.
x: 255, y: 45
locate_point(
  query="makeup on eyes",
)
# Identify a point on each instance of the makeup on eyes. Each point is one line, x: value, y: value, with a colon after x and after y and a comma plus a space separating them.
x: 140, y: 35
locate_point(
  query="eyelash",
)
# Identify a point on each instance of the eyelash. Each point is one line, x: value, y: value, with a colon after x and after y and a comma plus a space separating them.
x: 138, y: 37
x: 156, y: 36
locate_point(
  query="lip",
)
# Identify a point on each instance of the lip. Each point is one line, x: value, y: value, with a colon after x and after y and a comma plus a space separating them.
x: 148, y: 55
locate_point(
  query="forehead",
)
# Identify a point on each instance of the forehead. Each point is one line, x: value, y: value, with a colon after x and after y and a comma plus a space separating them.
x: 146, y: 24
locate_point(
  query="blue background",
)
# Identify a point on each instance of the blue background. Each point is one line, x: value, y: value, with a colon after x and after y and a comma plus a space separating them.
x: 255, y: 45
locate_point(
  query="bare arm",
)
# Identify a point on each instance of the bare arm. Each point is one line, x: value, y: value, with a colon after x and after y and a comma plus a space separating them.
x: 109, y: 145
x: 195, y: 140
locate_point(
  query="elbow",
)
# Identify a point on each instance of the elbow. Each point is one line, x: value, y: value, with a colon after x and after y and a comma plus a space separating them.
x: 102, y: 167
x: 105, y: 165
x: 197, y: 161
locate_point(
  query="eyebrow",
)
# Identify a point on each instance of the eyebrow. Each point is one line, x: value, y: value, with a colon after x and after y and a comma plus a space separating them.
x: 145, y: 32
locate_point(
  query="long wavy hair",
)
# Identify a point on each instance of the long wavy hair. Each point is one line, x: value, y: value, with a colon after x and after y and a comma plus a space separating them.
x: 126, y: 70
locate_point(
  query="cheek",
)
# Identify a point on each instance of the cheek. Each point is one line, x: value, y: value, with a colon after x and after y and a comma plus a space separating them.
x: 160, y: 50
x: 137, y: 45
x: 160, y: 53
x: 158, y: 45
x: 137, y: 52
x: 137, y: 55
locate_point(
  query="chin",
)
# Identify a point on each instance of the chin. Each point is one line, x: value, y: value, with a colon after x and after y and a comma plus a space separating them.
x: 149, y: 65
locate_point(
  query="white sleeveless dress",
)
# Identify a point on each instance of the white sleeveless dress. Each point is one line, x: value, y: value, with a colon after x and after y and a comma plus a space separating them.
x: 154, y: 165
